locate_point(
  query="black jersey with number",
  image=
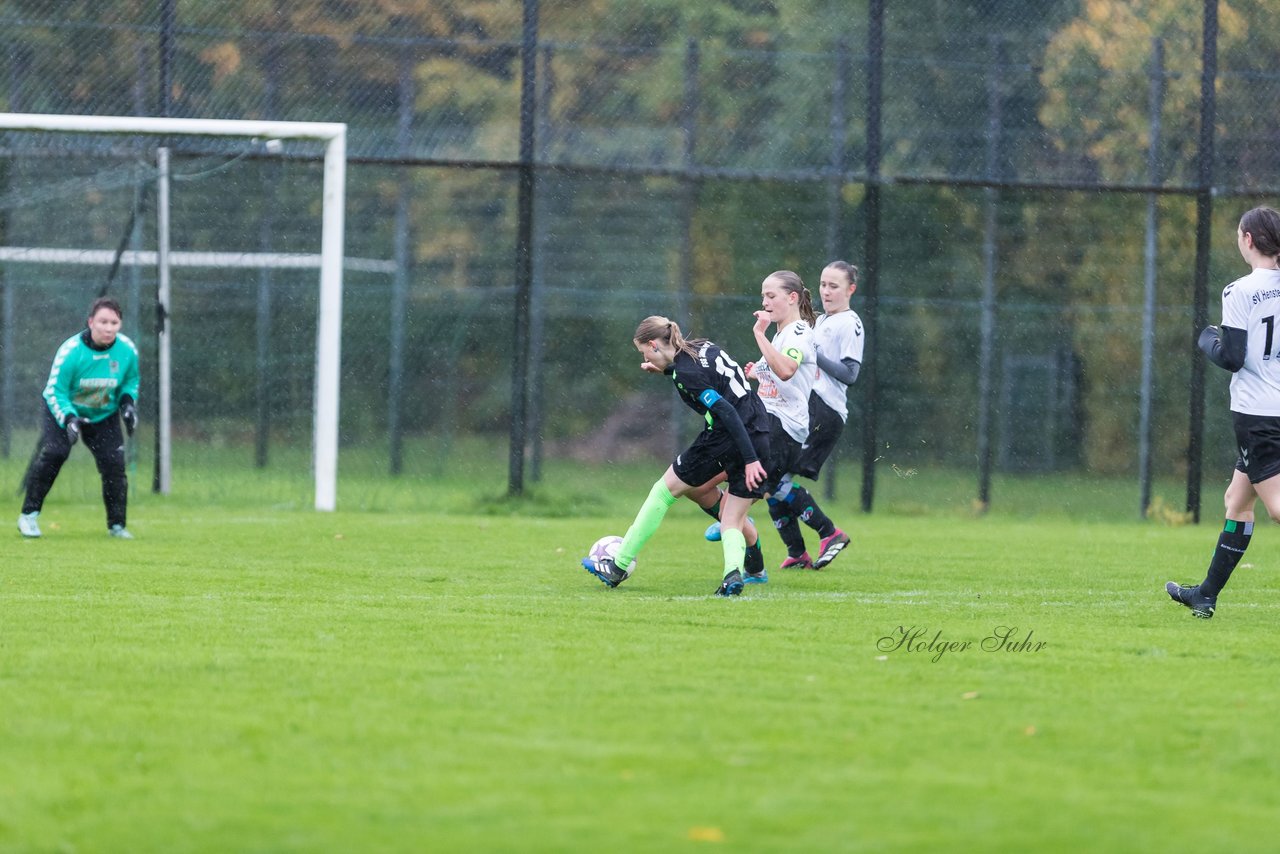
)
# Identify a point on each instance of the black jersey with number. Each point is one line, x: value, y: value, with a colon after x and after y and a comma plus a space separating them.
x: 712, y: 375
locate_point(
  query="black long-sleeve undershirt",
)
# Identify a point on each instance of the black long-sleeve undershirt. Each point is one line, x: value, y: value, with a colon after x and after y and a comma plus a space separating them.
x: 844, y: 371
x: 732, y: 421
x: 1225, y: 346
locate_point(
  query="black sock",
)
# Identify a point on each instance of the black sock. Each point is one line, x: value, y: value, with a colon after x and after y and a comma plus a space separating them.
x: 1232, y: 542
x: 788, y: 527
x: 714, y: 510
x: 810, y: 513
x: 753, y: 560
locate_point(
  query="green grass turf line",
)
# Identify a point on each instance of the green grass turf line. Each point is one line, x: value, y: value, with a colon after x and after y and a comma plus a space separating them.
x: 259, y: 679
x: 472, y: 478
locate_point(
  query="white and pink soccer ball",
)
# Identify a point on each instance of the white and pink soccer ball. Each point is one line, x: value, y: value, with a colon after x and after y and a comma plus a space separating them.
x: 608, y: 547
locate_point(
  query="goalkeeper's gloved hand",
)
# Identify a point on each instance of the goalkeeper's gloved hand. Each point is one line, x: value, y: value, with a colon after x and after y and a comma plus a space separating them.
x: 129, y: 414
x: 73, y: 429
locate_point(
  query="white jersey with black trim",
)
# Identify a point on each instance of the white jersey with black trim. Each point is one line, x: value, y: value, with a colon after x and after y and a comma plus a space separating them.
x: 789, y: 399
x: 839, y: 337
x: 1252, y: 303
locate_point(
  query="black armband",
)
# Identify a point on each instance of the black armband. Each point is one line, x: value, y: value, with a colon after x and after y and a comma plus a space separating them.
x: 732, y: 422
x: 1225, y: 346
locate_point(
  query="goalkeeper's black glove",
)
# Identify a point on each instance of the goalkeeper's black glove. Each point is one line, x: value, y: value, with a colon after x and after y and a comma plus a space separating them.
x: 129, y: 415
x: 73, y: 429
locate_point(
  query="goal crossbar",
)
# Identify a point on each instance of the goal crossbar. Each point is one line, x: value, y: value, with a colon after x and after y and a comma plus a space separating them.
x: 329, y: 325
x: 147, y: 258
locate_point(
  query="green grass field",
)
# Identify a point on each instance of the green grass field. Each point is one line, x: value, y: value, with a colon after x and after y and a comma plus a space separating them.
x: 436, y: 673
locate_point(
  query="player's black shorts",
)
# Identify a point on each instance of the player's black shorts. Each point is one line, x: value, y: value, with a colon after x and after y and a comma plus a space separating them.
x: 714, y: 452
x: 825, y: 427
x: 1258, y: 440
x: 784, y: 454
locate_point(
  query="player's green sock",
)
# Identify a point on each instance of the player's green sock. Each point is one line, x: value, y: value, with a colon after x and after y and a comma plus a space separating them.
x: 735, y: 549
x: 647, y: 521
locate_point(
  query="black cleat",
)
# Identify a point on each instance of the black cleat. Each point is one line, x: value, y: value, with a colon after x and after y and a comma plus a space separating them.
x: 1201, y: 606
x: 731, y: 586
x: 605, y: 570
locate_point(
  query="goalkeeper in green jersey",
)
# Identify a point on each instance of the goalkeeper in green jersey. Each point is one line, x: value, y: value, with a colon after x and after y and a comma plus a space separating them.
x: 92, y: 388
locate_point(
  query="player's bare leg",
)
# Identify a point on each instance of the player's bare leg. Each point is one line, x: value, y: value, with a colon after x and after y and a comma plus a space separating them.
x: 709, y: 497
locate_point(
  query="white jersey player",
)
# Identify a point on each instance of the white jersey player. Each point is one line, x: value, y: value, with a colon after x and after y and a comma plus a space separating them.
x: 1252, y: 304
x: 788, y: 398
x: 1248, y: 345
x: 839, y: 344
x: 787, y: 378
x: 787, y: 367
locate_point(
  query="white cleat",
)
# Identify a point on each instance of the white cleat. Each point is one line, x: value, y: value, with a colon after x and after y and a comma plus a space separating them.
x: 27, y: 524
x: 120, y: 532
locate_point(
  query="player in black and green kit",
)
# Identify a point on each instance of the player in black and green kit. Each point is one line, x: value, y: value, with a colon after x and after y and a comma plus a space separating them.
x: 732, y: 445
x: 93, y: 386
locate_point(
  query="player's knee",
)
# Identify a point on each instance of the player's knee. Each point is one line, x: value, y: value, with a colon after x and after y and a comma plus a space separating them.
x: 779, y: 512
x: 111, y: 464
x: 54, y: 454
x: 1235, y: 503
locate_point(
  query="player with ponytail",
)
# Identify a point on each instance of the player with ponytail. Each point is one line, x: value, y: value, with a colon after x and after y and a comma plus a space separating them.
x: 731, y: 446
x: 1245, y: 345
x: 838, y: 346
x: 838, y: 342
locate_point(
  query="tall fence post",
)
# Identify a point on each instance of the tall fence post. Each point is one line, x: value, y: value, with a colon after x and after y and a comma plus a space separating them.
x: 266, y: 237
x: 19, y: 62
x: 537, y: 332
x: 835, y: 200
x: 524, y: 250
x: 689, y: 188
x: 871, y: 251
x: 6, y: 328
x: 987, y: 317
x: 405, y: 93
x: 7, y: 319
x: 1204, y: 218
x: 133, y: 306
x: 1146, y: 393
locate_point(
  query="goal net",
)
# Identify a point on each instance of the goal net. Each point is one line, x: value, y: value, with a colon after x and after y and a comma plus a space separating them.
x: 222, y: 240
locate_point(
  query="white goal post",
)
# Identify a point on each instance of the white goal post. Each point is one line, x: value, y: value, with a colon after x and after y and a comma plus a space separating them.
x: 329, y: 325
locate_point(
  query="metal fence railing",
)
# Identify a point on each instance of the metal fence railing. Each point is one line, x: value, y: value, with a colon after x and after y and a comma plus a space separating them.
x: 1037, y: 243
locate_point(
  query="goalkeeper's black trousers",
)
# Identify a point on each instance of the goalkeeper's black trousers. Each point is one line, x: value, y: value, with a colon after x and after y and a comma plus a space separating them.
x: 103, y: 439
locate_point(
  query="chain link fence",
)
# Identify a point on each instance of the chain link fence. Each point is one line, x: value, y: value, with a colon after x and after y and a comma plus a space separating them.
x: 1007, y: 160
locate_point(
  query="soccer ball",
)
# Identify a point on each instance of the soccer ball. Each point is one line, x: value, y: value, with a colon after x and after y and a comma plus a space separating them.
x: 608, y: 547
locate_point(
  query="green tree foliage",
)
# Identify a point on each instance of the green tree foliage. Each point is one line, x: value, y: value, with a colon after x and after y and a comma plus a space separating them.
x: 1096, y: 76
x: 619, y: 90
